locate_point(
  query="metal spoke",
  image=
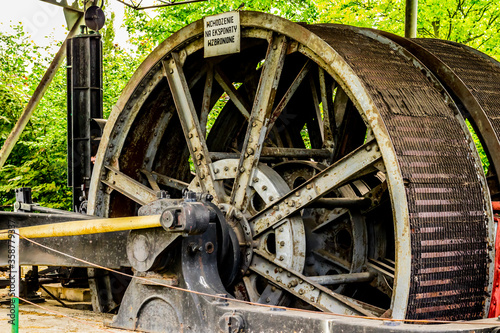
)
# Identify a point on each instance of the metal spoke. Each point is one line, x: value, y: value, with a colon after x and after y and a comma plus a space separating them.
x: 340, y: 106
x: 129, y: 187
x: 309, y: 291
x: 231, y: 91
x: 257, y: 125
x: 288, y: 95
x: 316, y: 101
x: 164, y: 180
x: 205, y: 104
x: 316, y: 187
x: 326, y: 91
x: 191, y: 126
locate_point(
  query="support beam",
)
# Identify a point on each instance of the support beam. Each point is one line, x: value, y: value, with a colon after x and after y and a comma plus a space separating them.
x: 411, y: 14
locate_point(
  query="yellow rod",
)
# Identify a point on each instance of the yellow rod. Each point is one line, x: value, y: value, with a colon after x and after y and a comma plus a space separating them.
x: 87, y: 227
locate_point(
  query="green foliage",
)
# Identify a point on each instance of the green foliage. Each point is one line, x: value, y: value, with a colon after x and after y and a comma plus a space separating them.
x: 39, y: 158
x: 472, y: 22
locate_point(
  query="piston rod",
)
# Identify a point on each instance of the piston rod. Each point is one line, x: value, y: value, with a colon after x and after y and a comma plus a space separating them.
x: 87, y: 227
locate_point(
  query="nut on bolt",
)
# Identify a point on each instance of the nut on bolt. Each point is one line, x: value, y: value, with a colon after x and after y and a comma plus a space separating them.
x: 168, y: 219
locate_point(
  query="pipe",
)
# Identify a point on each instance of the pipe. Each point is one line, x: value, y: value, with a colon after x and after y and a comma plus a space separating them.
x: 411, y: 14
x: 342, y: 278
x: 87, y: 227
x: 332, y: 203
x: 37, y: 96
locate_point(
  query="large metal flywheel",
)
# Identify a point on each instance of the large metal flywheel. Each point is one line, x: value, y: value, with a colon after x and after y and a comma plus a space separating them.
x: 340, y: 162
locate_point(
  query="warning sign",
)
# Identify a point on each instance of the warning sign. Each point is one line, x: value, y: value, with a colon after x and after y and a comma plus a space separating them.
x: 222, y: 34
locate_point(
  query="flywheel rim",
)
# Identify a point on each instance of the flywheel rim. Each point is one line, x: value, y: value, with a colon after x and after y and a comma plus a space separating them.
x: 186, y: 42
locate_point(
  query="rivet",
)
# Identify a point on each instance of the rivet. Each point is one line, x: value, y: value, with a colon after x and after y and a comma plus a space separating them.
x: 216, y: 171
x: 171, y: 71
x: 264, y: 187
x: 226, y: 168
x: 282, y: 243
x: 368, y: 148
x: 276, y: 208
x: 242, y: 169
x: 297, y: 194
x: 282, y: 258
x: 250, y: 151
x: 271, y: 198
x: 190, y: 135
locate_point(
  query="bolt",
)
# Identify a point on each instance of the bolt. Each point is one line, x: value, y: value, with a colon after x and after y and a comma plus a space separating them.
x: 280, y: 229
x: 297, y: 194
x: 264, y: 187
x: 368, y: 148
x: 276, y: 207
x: 226, y: 168
x: 291, y: 203
x: 202, y: 176
x: 301, y: 292
x: 250, y: 151
x: 280, y: 270
x: 171, y: 71
x: 256, y: 180
x: 273, y: 289
x: 190, y: 135
x: 268, y: 300
x: 278, y: 279
x: 309, y: 186
x: 313, y: 299
x: 288, y: 274
x: 275, y: 47
x: 271, y: 198
x: 282, y: 243
x: 254, y: 124
x: 282, y: 258
x: 199, y: 156
x: 242, y: 169
x: 216, y: 171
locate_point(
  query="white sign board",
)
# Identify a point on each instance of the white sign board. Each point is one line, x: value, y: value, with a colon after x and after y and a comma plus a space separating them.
x: 222, y: 34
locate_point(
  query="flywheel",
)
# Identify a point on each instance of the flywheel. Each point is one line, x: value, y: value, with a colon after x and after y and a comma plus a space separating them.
x: 343, y: 166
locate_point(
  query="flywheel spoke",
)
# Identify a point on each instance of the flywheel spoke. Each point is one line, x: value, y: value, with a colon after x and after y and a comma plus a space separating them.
x: 129, y: 187
x: 326, y: 90
x: 308, y: 290
x: 330, y: 178
x: 205, y: 105
x: 289, y: 94
x: 190, y: 124
x: 258, y: 122
x: 231, y: 91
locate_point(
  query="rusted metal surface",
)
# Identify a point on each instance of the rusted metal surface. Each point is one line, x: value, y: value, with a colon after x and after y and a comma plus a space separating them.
x: 423, y: 129
x: 315, y: 188
x: 470, y: 77
x: 379, y: 89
